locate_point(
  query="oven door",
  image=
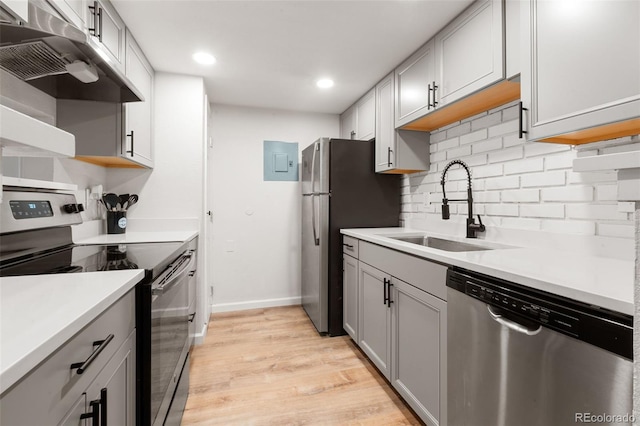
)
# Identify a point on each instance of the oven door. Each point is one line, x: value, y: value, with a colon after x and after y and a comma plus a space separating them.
x: 169, y: 333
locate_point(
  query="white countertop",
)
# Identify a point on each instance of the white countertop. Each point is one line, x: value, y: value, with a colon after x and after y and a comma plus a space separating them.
x: 599, y: 281
x: 139, y: 237
x: 38, y: 313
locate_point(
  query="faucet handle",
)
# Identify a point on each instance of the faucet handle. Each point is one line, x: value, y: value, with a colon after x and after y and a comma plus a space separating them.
x: 481, y: 227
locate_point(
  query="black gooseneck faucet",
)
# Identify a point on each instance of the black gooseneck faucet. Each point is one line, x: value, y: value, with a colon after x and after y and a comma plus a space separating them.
x: 472, y: 227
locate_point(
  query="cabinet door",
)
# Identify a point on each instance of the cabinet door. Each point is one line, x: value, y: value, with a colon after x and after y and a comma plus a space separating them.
x: 366, y: 116
x: 350, y: 296
x: 385, y: 132
x: 348, y: 123
x: 413, y: 84
x: 108, y: 29
x: 74, y: 11
x: 73, y: 417
x: 573, y: 77
x: 375, y: 317
x: 419, y: 351
x: 138, y: 141
x: 470, y: 51
x: 115, y: 386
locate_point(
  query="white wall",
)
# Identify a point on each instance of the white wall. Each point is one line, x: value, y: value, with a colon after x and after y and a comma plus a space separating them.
x: 256, y: 224
x: 527, y: 187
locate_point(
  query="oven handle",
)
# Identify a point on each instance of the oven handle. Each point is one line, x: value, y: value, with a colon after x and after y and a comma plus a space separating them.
x: 177, y: 277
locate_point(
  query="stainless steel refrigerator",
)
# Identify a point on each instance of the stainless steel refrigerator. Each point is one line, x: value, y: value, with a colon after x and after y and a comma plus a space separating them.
x: 339, y: 190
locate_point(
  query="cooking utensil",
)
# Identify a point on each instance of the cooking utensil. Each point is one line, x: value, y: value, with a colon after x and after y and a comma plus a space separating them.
x: 124, y: 201
x: 133, y: 198
x: 110, y: 201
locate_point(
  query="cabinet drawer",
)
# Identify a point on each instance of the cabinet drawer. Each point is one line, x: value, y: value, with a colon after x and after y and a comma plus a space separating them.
x: 50, y: 390
x: 350, y: 246
x: 421, y: 273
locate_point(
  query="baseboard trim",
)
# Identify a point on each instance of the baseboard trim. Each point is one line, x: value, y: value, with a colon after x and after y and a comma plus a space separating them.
x: 255, y: 304
x: 199, y: 337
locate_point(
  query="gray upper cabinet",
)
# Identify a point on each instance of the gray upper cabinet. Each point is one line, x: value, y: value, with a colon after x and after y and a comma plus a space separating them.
x: 366, y: 116
x: 107, y: 30
x: 419, y: 341
x: 413, y: 85
x: 74, y: 11
x: 138, y: 142
x: 580, y: 69
x: 359, y: 121
x: 470, y: 52
x: 375, y: 317
x: 397, y: 151
x: 348, y: 123
x: 512, y: 38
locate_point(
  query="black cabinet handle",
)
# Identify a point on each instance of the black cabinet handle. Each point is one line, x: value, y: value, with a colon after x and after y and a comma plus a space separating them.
x: 94, y: 11
x: 389, y: 301
x: 100, y: 23
x: 192, y: 317
x: 384, y: 290
x: 103, y: 408
x: 389, y: 151
x: 93, y: 414
x: 429, y: 97
x: 130, y: 135
x: 101, y: 344
x: 521, y: 131
x: 435, y: 103
x: 348, y: 246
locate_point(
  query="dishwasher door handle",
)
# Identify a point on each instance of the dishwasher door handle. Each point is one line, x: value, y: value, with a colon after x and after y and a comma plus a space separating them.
x: 512, y: 324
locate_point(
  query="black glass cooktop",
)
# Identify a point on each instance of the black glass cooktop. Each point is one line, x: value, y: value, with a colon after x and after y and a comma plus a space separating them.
x: 153, y: 257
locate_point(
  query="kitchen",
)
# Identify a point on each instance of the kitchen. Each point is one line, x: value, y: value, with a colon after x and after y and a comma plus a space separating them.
x: 527, y: 193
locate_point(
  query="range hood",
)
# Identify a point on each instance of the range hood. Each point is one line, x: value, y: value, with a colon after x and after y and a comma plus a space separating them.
x: 44, y: 50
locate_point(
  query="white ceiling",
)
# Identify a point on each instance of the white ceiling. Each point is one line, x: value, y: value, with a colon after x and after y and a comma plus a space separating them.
x: 270, y: 53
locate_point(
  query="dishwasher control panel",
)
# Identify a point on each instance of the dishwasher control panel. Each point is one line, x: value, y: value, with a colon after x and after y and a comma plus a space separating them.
x: 528, y: 309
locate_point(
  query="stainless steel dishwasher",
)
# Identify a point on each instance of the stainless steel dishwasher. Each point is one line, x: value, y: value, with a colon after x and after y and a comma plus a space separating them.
x: 518, y: 356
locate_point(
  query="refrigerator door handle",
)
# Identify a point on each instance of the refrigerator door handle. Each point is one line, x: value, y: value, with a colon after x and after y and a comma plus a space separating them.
x: 316, y: 240
x: 313, y: 169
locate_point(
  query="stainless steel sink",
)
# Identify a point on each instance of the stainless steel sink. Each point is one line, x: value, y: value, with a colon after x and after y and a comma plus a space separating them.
x: 441, y: 244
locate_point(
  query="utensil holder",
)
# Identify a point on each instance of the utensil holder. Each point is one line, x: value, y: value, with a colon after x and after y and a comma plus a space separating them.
x: 116, y: 222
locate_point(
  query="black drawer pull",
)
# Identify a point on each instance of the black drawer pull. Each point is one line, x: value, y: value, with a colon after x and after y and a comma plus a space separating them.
x: 101, y: 344
x: 192, y: 317
x: 93, y: 414
x: 348, y: 246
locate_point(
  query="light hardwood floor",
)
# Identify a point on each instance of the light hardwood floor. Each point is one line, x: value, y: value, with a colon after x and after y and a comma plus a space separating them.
x: 270, y: 367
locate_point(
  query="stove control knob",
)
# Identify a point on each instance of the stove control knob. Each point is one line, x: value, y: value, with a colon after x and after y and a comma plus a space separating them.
x: 70, y: 208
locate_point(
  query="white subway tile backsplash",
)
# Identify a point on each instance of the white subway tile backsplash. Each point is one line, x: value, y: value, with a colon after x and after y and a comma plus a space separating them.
x: 500, y: 209
x: 521, y: 196
x: 616, y: 230
x: 504, y: 128
x: 455, y: 153
x: 502, y: 182
x: 487, y: 171
x: 486, y: 121
x: 568, y: 193
x: 569, y: 226
x: 543, y: 179
x: 524, y: 166
x: 563, y: 160
x: 488, y: 145
x: 595, y: 212
x: 627, y: 207
x: 506, y: 154
x: 542, y: 210
x: 448, y: 144
x: 476, y: 136
x: 532, y: 149
x: 519, y: 184
x: 459, y: 130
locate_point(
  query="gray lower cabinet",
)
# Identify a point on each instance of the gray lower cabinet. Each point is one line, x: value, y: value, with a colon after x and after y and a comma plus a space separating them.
x: 55, y: 393
x: 418, y: 350
x: 402, y: 325
x: 375, y: 317
x: 350, y: 296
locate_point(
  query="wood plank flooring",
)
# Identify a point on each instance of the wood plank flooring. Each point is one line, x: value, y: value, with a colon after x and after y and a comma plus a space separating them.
x: 270, y: 367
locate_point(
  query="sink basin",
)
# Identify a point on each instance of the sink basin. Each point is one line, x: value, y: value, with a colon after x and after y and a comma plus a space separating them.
x: 441, y: 244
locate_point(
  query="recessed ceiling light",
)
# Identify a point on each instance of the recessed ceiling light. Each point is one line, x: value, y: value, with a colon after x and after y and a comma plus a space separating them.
x: 324, y: 83
x: 204, y: 58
